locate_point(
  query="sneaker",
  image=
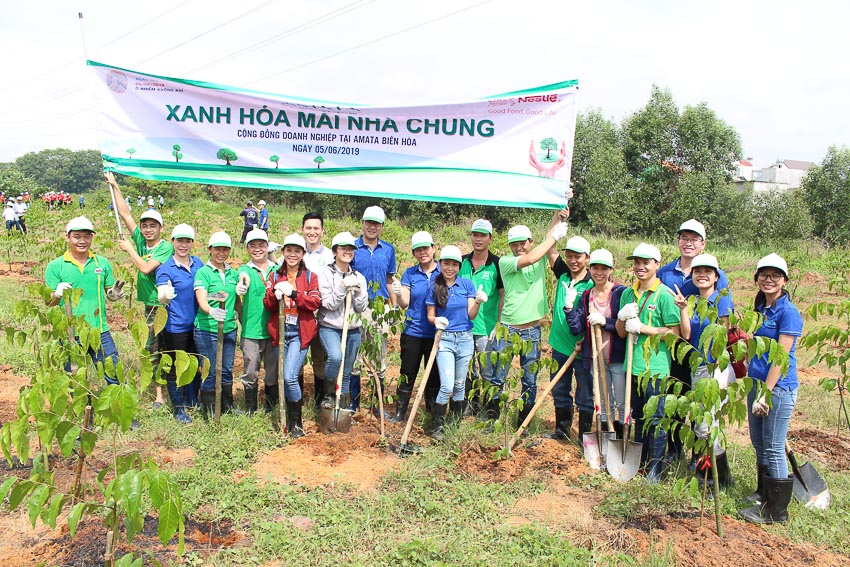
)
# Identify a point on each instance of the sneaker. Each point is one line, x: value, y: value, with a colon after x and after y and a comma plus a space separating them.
x: 157, y: 406
x: 182, y: 417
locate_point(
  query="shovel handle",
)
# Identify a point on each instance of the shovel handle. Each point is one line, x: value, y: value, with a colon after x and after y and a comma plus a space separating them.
x: 345, y: 318
x: 115, y: 210
x: 627, y: 427
x: 281, y: 357
x: 421, y: 391
x: 603, y: 382
x: 794, y: 466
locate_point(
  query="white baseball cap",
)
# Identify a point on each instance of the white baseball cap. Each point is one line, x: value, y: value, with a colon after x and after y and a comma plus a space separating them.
x: 261, y: 202
x: 644, y: 250
x: 483, y: 226
x: 342, y: 239
x: 451, y: 252
x: 256, y: 234
x: 601, y: 256
x: 79, y: 223
x: 693, y: 225
x: 220, y: 238
x: 773, y: 261
x: 706, y: 260
x: 578, y: 244
x: 295, y: 240
x: 152, y: 214
x: 519, y: 233
x: 420, y: 239
x: 183, y: 231
x: 374, y: 213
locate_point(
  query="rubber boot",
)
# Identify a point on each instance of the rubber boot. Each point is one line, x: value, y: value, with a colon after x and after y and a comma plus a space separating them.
x: 618, y: 429
x: 777, y: 495
x: 757, y: 497
x: 177, y: 403
x: 456, y: 409
x: 724, y: 474
x: 354, y: 393
x: 563, y: 423
x: 401, y: 403
x: 438, y: 417
x: 328, y: 399
x: 293, y: 419
x: 272, y: 398
x: 226, y: 398
x: 250, y: 400
x: 318, y: 391
x: 208, y: 404
x: 585, y: 422
x: 657, y: 446
x: 491, y: 414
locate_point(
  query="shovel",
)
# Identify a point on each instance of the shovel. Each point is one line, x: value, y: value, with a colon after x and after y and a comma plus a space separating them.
x: 623, y: 459
x: 221, y: 297
x: 336, y: 419
x: 809, y: 487
x: 609, y: 435
x: 281, y: 357
x: 521, y: 429
x: 591, y: 442
x: 404, y: 448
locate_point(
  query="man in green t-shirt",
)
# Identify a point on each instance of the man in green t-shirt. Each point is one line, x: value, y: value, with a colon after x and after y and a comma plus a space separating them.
x: 148, y: 251
x: 525, y: 306
x: 648, y: 308
x: 256, y: 342
x: 80, y: 268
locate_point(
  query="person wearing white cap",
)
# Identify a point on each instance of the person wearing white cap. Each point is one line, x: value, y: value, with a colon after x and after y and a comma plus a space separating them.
x: 79, y: 268
x: 417, y: 338
x: 335, y: 281
x: 11, y: 218
x: 215, y: 276
x: 21, y: 209
x: 769, y: 421
x: 255, y: 340
x: 526, y: 306
x: 705, y: 272
x: 263, y: 221
x: 147, y: 251
x: 251, y: 216
x: 175, y: 283
x: 160, y: 201
x: 482, y: 267
x: 572, y: 280
x: 150, y: 202
x: 648, y: 308
x: 298, y: 289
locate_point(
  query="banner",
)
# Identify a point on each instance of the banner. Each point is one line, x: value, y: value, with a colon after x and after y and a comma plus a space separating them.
x: 513, y: 149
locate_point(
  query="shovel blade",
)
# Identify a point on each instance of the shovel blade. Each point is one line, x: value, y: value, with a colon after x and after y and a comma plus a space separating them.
x: 591, y: 450
x: 623, y: 467
x: 812, y: 492
x: 326, y: 420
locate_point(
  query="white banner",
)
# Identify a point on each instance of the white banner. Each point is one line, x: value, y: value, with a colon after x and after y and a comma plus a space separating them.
x: 513, y: 149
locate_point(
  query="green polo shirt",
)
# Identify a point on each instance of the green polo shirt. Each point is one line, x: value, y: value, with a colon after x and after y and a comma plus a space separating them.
x: 255, y: 316
x: 487, y: 276
x: 560, y: 336
x: 525, y: 291
x: 656, y: 308
x: 146, y: 284
x: 213, y: 280
x: 93, y: 278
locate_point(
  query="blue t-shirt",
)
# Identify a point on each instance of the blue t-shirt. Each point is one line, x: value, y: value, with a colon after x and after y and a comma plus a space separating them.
x: 456, y: 309
x: 724, y: 307
x: 416, y: 320
x: 375, y: 264
x: 184, y: 307
x: 671, y: 275
x: 264, y: 219
x: 783, y: 318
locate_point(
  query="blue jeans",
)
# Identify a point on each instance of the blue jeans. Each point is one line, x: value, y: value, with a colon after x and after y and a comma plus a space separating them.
x: 206, y: 343
x: 562, y: 392
x: 332, y: 343
x: 107, y: 348
x: 496, y: 375
x: 768, y: 433
x: 655, y: 443
x: 293, y: 361
x: 453, y: 356
x: 481, y: 343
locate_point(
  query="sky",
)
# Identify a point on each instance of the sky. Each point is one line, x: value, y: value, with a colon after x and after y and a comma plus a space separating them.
x: 776, y: 71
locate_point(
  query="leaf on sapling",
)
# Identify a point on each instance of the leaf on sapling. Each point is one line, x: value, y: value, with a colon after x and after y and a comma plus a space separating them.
x: 160, y: 319
x: 74, y: 517
x: 6, y: 487
x: 18, y: 492
x: 37, y: 499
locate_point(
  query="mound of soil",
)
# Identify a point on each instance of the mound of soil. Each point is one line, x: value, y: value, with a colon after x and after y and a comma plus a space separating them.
x: 828, y: 448
x: 537, y: 455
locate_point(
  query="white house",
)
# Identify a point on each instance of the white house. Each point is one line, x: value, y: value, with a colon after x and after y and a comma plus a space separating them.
x: 783, y: 175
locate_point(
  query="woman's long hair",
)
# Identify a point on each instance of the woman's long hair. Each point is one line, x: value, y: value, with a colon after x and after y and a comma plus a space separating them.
x: 761, y: 301
x: 441, y: 291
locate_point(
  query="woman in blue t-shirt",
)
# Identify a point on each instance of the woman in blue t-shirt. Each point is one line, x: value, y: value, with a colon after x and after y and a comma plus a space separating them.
x: 769, y: 421
x: 452, y: 305
x: 705, y: 273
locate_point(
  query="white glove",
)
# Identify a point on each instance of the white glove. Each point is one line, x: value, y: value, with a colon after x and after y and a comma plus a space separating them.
x: 629, y: 311
x: 273, y: 247
x: 243, y: 285
x: 634, y: 326
x: 396, y: 287
x: 441, y: 323
x: 760, y: 407
x: 350, y: 282
x: 60, y: 289
x: 570, y: 296
x: 165, y: 293
x: 480, y: 296
x: 218, y: 314
x: 597, y: 319
x: 560, y: 231
x: 283, y: 289
x: 116, y: 292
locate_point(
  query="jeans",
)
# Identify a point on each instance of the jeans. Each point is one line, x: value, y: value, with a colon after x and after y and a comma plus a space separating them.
x: 655, y: 443
x: 723, y: 379
x: 768, y: 433
x: 414, y: 352
x: 255, y: 351
x: 561, y: 393
x: 332, y: 343
x: 293, y: 362
x: 170, y: 342
x: 496, y: 375
x: 206, y: 342
x: 476, y: 368
x: 453, y: 355
x: 152, y: 344
x: 107, y: 348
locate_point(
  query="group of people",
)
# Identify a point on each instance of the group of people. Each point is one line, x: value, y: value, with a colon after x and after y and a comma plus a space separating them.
x: 152, y: 204
x: 312, y: 296
x: 14, y: 214
x: 56, y: 200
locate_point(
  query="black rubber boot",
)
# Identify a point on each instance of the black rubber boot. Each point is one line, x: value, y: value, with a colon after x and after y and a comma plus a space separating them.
x: 724, y: 474
x: 226, y: 398
x: 208, y: 404
x: 438, y: 417
x: 618, y: 429
x: 293, y: 420
x: 272, y: 398
x: 757, y: 497
x: 585, y: 423
x: 456, y: 409
x: 250, y: 400
x: 330, y: 394
x: 318, y: 391
x: 563, y: 423
x: 774, y: 510
x: 401, y: 402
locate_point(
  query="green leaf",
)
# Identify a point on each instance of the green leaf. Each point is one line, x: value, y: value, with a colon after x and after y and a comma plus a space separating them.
x: 37, y: 499
x: 74, y: 517
x: 6, y: 486
x: 53, y: 510
x: 160, y: 320
x: 169, y: 520
x: 66, y: 436
x: 18, y: 492
x: 20, y: 437
x: 139, y: 331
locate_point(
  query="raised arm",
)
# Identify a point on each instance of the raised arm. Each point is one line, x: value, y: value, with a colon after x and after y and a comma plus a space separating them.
x: 120, y: 204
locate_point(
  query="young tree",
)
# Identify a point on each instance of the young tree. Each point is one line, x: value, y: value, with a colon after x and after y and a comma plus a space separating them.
x: 176, y: 152
x: 275, y: 160
x: 319, y: 160
x: 227, y: 155
x: 826, y: 188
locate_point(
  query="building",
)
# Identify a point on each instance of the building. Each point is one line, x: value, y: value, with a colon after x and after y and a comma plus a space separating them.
x: 783, y: 175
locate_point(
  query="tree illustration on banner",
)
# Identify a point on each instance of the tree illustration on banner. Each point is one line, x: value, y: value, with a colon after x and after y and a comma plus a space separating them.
x: 275, y: 160
x: 131, y: 151
x: 227, y: 155
x: 319, y: 160
x: 176, y: 153
x: 548, y: 144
